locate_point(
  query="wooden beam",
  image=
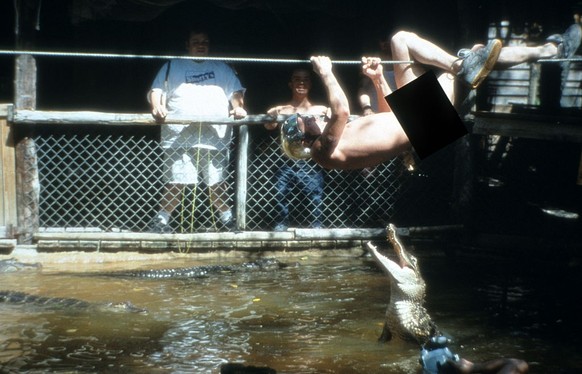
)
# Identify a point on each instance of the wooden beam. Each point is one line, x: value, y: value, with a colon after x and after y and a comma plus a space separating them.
x: 565, y: 129
x: 117, y: 119
x: 39, y: 117
x: 289, y: 235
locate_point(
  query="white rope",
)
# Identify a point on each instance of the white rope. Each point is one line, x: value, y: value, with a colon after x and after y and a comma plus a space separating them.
x: 169, y: 57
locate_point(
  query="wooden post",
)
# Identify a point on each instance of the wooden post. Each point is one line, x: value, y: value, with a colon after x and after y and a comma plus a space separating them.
x: 242, y: 177
x: 28, y: 191
x: 25, y: 83
x: 534, y: 84
x: 27, y: 183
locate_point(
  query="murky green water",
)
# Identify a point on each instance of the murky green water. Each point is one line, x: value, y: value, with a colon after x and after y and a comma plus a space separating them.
x: 323, y: 316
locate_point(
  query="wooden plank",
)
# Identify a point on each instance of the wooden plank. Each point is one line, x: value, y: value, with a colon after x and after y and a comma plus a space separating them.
x: 289, y: 235
x: 531, y: 127
x: 512, y: 85
x: 7, y: 244
x: 518, y: 72
x: 39, y: 117
x: 508, y: 85
x: 292, y: 247
x: 103, y: 118
x: 81, y: 234
x: 572, y: 91
x: 3, y: 199
x: 7, y: 176
x: 311, y: 234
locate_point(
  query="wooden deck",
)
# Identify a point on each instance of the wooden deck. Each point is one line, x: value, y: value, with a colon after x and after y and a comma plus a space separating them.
x: 565, y: 128
x: 290, y: 239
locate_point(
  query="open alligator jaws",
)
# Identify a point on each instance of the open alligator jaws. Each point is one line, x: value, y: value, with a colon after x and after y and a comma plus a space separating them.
x: 265, y: 264
x: 67, y: 304
x: 11, y: 265
x: 406, y: 316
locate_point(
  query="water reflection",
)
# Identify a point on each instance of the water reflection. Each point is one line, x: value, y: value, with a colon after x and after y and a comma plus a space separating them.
x: 81, y: 340
x: 324, y: 316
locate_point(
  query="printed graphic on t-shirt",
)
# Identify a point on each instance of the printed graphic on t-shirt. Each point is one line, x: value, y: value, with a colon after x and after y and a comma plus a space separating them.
x: 197, y: 77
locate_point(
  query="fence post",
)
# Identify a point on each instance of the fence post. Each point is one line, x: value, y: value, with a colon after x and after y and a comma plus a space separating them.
x: 28, y: 190
x: 534, y: 84
x: 242, y: 177
x: 27, y: 182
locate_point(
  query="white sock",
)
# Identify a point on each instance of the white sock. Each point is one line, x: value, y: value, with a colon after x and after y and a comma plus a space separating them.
x: 164, y: 217
x: 226, y: 216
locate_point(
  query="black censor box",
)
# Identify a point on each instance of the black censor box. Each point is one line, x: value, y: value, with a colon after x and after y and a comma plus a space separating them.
x: 427, y: 116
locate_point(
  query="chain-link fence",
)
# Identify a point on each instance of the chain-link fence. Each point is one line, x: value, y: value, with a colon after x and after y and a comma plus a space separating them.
x: 110, y: 178
x: 351, y: 199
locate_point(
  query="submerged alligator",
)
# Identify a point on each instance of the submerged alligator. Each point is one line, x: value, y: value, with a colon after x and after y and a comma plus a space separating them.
x: 11, y: 265
x: 68, y: 304
x: 202, y: 271
x: 406, y: 317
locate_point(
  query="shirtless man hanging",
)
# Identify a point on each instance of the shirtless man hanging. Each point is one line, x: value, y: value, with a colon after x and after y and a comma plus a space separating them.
x: 370, y: 140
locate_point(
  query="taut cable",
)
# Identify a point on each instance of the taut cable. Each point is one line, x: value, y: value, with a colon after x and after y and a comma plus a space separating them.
x: 572, y: 59
x: 170, y: 57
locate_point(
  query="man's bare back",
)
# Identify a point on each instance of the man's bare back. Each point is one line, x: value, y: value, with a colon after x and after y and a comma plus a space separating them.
x: 364, y: 142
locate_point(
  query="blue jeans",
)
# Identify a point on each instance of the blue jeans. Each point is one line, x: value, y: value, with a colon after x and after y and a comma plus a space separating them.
x: 309, y: 177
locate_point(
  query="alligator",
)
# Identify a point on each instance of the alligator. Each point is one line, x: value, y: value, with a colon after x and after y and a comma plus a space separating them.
x: 264, y: 264
x: 406, y: 317
x: 68, y: 304
x: 11, y: 265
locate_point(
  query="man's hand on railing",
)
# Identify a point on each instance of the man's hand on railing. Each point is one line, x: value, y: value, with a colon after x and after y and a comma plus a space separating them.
x: 238, y: 113
x: 159, y: 113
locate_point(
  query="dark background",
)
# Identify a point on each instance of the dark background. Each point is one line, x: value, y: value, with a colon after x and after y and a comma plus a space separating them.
x: 270, y: 29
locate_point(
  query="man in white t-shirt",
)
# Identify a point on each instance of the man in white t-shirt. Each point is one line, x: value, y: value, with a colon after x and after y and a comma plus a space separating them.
x: 197, y: 88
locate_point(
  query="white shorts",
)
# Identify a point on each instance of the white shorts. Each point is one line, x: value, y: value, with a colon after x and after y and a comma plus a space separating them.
x: 182, y: 166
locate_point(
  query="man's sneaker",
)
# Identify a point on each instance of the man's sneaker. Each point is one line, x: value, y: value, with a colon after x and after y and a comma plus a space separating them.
x: 479, y: 63
x: 160, y: 224
x: 229, y: 226
x: 568, y: 42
